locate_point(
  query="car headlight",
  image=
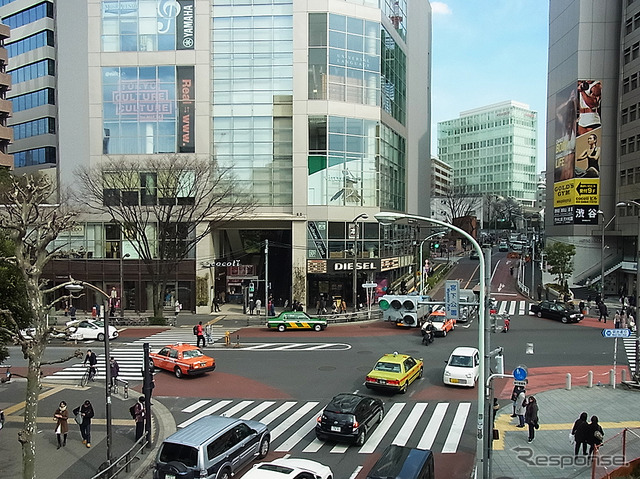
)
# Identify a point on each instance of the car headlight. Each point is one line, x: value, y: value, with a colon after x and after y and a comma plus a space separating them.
x: 573, y: 316
x: 468, y: 375
x: 447, y: 373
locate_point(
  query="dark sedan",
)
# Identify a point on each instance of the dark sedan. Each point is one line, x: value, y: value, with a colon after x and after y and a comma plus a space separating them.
x: 557, y: 311
x: 349, y: 417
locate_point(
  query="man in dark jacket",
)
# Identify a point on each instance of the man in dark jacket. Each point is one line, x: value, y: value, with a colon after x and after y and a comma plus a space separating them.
x: 603, y: 311
x: 580, y: 432
x: 91, y: 359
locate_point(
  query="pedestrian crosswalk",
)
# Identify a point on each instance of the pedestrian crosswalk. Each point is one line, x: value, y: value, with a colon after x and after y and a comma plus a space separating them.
x: 630, y: 349
x: 180, y: 335
x: 130, y: 362
x: 437, y: 426
x: 513, y: 307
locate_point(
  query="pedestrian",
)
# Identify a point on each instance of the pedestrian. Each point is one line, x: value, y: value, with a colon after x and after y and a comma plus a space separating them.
x: 272, y: 307
x: 91, y: 359
x: 177, y: 308
x: 589, y: 299
x: 595, y: 434
x: 1, y: 418
x: 495, y: 408
x: 616, y: 319
x: 216, y: 305
x: 252, y: 306
x: 521, y: 405
x: 343, y: 306
x: 200, y: 335
x: 514, y: 398
x: 602, y: 308
x: 539, y: 291
x: 531, y: 417
x: 139, y: 414
x: 580, y: 432
x: 61, y: 416
x: 318, y: 309
x: 114, y: 368
x: 624, y: 320
x: 507, y: 323
x: 72, y: 313
x: 511, y: 270
x: 258, y: 306
x: 85, y: 413
x: 581, y: 307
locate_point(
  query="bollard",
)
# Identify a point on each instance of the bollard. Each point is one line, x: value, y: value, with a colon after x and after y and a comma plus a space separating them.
x: 568, y: 384
x: 227, y: 339
x: 590, y: 379
x: 624, y: 375
x: 612, y: 378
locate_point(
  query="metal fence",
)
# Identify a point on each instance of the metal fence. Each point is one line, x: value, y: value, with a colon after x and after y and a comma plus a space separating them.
x: 616, y: 452
x: 123, y: 463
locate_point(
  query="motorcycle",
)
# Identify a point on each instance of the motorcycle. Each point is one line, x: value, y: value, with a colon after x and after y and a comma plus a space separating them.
x: 428, y: 335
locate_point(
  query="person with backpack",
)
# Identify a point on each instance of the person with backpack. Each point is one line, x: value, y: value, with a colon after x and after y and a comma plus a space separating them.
x: 198, y: 330
x: 138, y: 414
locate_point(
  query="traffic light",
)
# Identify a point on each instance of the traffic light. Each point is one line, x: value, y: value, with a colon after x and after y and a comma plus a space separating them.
x: 436, y: 245
x: 404, y: 310
x: 391, y: 305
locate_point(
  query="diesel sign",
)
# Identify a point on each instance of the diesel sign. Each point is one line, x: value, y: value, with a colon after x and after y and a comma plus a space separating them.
x: 365, y: 265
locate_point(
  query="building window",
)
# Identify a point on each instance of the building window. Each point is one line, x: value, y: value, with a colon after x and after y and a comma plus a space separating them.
x: 632, y: 112
x: 33, y: 71
x: 623, y: 147
x: 628, y: 26
x: 625, y: 116
x: 30, y: 15
x: 30, y: 43
x: 625, y: 85
x: 627, y: 55
x: 631, y: 144
x: 38, y: 156
x: 635, y: 51
x: 33, y: 99
x: 41, y: 126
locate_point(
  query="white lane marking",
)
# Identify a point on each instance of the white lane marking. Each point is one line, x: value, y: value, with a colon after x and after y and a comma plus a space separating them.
x: 257, y: 410
x: 409, y: 425
x: 355, y: 473
x: 274, y: 414
x: 381, y: 429
x: 457, y: 427
x: 237, y: 408
x: 206, y: 412
x: 299, y: 434
x: 196, y: 405
x: 426, y: 441
x: 291, y: 420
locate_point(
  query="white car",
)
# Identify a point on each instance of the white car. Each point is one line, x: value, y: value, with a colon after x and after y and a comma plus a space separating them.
x: 289, y: 469
x: 462, y: 367
x: 89, y: 329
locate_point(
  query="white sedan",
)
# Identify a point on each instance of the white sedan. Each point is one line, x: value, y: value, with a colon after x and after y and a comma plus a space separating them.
x: 463, y: 367
x: 89, y: 329
x: 289, y: 468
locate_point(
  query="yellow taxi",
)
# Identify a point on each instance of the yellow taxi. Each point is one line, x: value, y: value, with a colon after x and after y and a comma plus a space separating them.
x: 182, y: 359
x: 394, y: 372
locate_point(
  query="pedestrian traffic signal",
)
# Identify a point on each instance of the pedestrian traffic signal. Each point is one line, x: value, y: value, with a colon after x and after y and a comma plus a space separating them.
x: 436, y: 244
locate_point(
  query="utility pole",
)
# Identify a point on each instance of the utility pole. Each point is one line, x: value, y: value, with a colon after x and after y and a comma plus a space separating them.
x: 266, y: 278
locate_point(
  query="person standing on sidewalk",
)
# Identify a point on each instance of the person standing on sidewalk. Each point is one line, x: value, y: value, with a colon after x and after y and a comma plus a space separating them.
x: 531, y: 417
x: 258, y: 306
x: 521, y: 407
x: 514, y: 398
x: 61, y: 417
x: 114, y: 367
x: 602, y: 308
x: 139, y: 415
x: 595, y: 434
x: 580, y: 432
x: 86, y: 413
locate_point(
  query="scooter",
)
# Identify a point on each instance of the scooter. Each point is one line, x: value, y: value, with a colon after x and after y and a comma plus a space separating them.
x: 427, y: 336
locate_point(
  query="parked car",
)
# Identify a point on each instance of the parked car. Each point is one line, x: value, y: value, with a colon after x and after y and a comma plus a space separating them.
x: 394, y: 372
x: 440, y: 322
x: 557, y: 311
x: 213, y: 447
x: 89, y: 329
x: 349, y: 417
x: 289, y: 468
x: 182, y: 359
x: 296, y: 320
x: 462, y: 367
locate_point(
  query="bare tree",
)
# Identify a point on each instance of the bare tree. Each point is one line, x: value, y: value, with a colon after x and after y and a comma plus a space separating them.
x: 163, y: 205
x: 459, y: 202
x: 32, y: 224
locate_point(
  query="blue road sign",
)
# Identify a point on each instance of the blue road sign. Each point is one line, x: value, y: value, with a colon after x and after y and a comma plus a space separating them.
x: 616, y: 333
x: 520, y: 373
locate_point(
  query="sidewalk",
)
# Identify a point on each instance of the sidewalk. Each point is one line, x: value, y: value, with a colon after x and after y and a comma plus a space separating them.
x: 550, y: 456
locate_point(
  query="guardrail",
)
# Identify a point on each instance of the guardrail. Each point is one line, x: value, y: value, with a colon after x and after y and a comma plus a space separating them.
x: 123, y: 463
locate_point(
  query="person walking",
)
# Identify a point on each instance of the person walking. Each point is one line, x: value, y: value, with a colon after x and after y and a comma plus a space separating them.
x: 139, y: 415
x: 616, y: 319
x: 580, y: 432
x: 521, y: 408
x: 61, y: 416
x: 216, y: 305
x: 86, y: 413
x: 91, y: 359
x: 514, y: 398
x: 602, y: 308
x: 252, y: 306
x: 114, y: 368
x: 595, y: 434
x: 177, y: 308
x: 531, y: 417
x: 258, y: 306
x: 200, y: 335
x: 539, y: 291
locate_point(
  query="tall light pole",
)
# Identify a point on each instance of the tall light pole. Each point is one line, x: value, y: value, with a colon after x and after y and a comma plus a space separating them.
x: 421, y: 266
x: 636, y: 373
x: 362, y: 216
x: 482, y: 466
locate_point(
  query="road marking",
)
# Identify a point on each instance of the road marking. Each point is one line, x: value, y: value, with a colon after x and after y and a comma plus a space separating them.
x: 291, y: 420
x: 281, y: 409
x: 355, y: 473
x: 17, y: 407
x: 455, y: 433
x: 426, y: 441
x: 257, y: 410
x: 197, y: 405
x: 237, y: 408
x: 409, y: 424
x: 207, y: 412
x: 382, y: 429
x: 299, y: 434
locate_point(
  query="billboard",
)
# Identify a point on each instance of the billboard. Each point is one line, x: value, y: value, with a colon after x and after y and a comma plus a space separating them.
x: 576, y: 187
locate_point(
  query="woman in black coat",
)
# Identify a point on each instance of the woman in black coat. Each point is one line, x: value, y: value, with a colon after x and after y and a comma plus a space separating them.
x: 580, y: 432
x: 595, y: 434
x: 531, y: 416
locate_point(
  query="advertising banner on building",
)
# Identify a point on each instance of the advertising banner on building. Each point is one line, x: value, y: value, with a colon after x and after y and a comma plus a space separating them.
x: 184, y: 26
x: 186, y: 109
x: 576, y: 188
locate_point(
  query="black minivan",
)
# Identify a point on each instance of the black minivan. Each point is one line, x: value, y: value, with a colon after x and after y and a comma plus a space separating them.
x: 399, y: 462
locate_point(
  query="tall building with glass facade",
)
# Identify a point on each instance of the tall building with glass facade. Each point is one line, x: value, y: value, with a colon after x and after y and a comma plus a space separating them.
x: 492, y: 150
x: 307, y: 104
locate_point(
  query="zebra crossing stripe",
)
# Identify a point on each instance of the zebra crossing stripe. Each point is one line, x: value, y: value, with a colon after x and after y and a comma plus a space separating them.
x: 523, y: 308
x: 210, y: 410
x: 426, y: 441
x: 455, y: 433
x: 237, y: 408
x: 291, y: 346
x: 257, y: 410
x: 374, y: 440
x: 410, y: 423
x: 296, y: 437
x: 291, y: 420
x: 196, y: 406
x: 268, y: 419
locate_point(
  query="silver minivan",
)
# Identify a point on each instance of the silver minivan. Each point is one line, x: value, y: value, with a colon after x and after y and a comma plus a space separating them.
x: 213, y: 447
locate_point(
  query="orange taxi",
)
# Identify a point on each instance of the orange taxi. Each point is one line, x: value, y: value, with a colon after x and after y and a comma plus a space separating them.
x: 440, y: 322
x: 181, y: 360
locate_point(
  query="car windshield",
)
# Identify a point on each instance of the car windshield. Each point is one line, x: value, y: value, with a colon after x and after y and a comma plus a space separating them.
x: 192, y: 353
x: 461, y: 361
x: 388, y: 367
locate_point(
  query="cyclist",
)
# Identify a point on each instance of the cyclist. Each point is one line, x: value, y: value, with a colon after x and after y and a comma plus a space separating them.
x: 92, y: 360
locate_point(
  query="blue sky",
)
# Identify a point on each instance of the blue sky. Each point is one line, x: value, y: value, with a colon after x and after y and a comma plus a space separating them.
x: 488, y: 51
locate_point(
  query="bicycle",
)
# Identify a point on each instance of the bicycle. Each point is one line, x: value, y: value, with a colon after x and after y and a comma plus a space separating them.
x: 85, y: 377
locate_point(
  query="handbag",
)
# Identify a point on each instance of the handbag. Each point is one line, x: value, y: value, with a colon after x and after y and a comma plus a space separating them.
x: 598, y: 436
x: 572, y: 438
x: 78, y: 418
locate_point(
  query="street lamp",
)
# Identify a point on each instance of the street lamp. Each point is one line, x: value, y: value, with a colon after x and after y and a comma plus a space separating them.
x: 604, y: 227
x: 636, y: 373
x: 482, y: 466
x: 421, y: 266
x: 363, y: 216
